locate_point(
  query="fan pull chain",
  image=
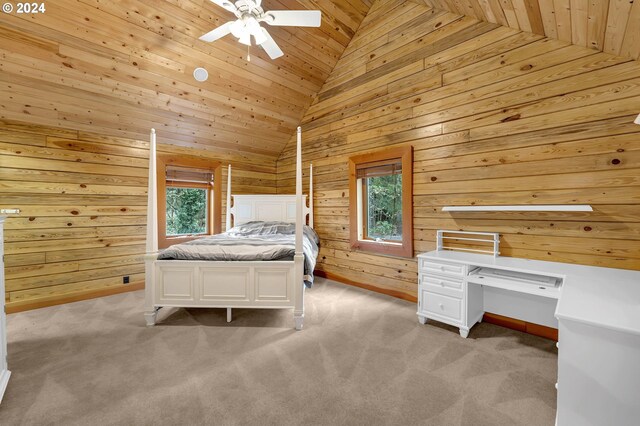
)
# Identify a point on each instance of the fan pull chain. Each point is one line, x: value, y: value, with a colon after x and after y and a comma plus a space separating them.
x: 248, y: 55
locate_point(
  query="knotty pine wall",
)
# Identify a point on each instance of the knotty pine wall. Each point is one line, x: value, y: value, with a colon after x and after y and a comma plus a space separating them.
x: 83, y: 198
x: 495, y: 116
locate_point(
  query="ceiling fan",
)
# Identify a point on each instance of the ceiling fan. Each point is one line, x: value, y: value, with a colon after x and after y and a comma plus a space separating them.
x: 250, y: 14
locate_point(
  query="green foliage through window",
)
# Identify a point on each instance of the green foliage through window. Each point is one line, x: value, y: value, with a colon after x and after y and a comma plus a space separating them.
x: 384, y: 207
x: 186, y: 211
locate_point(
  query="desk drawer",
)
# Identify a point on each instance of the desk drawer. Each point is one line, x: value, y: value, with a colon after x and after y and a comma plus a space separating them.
x: 448, y: 286
x: 441, y: 305
x: 439, y: 267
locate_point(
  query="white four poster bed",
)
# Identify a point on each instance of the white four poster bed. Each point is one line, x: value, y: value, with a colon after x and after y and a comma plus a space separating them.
x: 274, y: 284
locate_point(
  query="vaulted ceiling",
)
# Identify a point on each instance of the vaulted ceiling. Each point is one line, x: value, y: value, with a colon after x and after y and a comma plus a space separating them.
x: 612, y: 26
x: 121, y: 67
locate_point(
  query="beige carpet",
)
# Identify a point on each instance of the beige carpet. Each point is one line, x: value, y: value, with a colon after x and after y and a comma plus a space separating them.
x: 362, y: 359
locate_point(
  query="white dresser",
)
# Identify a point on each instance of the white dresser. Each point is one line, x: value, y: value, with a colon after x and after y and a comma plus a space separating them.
x: 442, y: 294
x: 4, y: 371
x: 597, y: 311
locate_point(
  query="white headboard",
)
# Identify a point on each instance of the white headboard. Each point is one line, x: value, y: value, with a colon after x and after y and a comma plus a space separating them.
x: 268, y: 207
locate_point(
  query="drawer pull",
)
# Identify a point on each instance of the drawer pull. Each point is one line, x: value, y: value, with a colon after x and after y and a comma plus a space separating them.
x: 445, y: 307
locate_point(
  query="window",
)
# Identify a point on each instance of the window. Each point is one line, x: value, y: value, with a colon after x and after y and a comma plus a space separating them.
x: 380, y: 201
x: 186, y: 211
x: 189, y: 199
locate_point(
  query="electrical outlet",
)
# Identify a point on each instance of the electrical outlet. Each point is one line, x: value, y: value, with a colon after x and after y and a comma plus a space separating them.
x: 125, y: 280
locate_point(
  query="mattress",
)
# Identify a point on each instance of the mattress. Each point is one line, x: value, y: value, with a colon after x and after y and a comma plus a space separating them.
x: 257, y: 240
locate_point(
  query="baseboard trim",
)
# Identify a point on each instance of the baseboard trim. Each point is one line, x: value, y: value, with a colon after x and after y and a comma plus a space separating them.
x: 343, y: 280
x: 27, y: 305
x: 507, y: 322
x: 520, y: 325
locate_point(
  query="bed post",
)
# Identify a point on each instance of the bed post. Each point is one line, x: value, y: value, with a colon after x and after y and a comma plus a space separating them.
x: 298, y: 311
x: 311, y: 195
x: 228, y: 226
x: 152, y: 236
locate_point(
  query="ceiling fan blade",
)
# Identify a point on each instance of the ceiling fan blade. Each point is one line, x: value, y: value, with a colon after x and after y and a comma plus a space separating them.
x: 294, y: 18
x: 217, y: 33
x: 270, y: 46
x: 226, y: 4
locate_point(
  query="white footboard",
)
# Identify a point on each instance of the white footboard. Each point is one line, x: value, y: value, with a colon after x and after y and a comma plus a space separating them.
x: 202, y: 284
x: 224, y: 284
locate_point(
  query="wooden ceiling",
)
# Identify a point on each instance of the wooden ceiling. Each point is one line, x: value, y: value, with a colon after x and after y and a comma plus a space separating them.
x: 122, y: 67
x: 612, y: 26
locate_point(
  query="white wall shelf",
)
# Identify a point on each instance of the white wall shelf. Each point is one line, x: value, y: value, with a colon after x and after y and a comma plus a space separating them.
x: 522, y: 208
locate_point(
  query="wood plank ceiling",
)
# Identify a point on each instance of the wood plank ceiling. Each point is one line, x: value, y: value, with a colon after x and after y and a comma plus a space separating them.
x: 611, y: 26
x: 122, y: 67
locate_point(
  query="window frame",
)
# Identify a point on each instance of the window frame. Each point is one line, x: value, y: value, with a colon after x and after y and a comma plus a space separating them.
x: 214, y: 196
x: 392, y: 248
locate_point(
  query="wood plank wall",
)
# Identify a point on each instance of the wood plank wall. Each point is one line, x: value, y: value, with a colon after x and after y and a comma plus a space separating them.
x: 496, y: 116
x: 83, y: 199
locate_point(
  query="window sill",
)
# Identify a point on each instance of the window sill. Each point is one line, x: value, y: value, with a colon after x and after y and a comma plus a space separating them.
x: 404, y: 250
x: 389, y: 243
x: 381, y: 253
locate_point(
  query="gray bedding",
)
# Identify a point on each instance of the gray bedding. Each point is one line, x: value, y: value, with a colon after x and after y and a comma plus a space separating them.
x: 251, y: 241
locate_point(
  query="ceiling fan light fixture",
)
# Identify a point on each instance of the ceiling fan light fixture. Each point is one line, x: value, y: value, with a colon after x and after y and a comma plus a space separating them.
x: 245, y: 38
x: 250, y: 15
x: 237, y: 28
x: 254, y: 28
x: 252, y: 25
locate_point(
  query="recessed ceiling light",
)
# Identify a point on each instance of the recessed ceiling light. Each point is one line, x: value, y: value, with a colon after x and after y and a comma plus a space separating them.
x: 200, y: 74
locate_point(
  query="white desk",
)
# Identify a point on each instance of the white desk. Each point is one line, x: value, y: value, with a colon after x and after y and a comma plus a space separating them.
x: 598, y: 314
x: 4, y: 370
x: 479, y: 293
